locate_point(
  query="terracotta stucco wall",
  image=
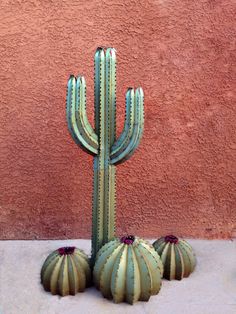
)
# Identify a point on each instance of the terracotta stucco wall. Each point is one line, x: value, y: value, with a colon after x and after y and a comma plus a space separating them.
x: 182, y: 177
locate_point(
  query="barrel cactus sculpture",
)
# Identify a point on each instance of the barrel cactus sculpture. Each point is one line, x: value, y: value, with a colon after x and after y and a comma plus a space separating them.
x: 101, y: 142
x: 177, y: 256
x: 66, y: 271
x: 128, y: 269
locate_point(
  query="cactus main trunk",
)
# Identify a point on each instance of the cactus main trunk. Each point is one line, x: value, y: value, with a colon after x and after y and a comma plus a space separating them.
x: 104, y: 173
x: 101, y: 142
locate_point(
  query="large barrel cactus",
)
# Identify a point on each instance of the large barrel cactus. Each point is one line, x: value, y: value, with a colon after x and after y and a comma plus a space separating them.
x: 177, y: 256
x: 101, y: 142
x: 66, y: 271
x: 128, y: 269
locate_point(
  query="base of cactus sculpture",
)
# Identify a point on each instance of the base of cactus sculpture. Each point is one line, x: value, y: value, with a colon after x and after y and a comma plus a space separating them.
x: 66, y: 271
x: 177, y: 256
x: 128, y: 269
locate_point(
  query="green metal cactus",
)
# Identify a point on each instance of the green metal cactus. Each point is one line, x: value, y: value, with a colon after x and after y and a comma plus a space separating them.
x: 101, y: 142
x: 128, y: 269
x: 66, y: 271
x: 177, y: 256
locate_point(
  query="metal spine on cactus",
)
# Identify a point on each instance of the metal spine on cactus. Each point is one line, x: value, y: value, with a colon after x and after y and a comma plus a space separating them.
x: 128, y: 269
x: 177, y: 256
x: 66, y: 271
x: 101, y: 142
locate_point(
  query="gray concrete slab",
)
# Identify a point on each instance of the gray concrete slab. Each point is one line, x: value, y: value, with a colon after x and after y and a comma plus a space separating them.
x: 211, y: 289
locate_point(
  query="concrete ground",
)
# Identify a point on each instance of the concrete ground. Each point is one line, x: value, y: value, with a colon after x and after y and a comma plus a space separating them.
x: 211, y: 289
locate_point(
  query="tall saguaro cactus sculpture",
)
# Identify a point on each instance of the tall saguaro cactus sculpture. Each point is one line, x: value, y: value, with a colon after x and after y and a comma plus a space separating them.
x: 101, y: 142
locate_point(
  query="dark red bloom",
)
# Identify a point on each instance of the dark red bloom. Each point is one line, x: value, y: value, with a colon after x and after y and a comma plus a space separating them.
x: 66, y: 250
x: 127, y: 239
x: 172, y: 239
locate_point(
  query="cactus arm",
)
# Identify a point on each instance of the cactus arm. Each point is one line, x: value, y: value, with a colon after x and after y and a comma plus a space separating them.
x: 71, y: 118
x: 137, y: 130
x: 140, y: 103
x: 81, y: 116
x: 123, y: 141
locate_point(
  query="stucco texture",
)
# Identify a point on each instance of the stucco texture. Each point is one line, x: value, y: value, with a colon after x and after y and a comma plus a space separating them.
x: 182, y: 178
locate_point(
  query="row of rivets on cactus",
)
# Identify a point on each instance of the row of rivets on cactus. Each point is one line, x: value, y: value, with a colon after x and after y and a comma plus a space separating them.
x: 66, y: 271
x: 101, y: 142
x: 177, y: 256
x: 128, y: 269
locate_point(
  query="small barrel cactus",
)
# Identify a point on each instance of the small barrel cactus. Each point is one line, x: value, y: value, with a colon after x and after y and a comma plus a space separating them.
x: 128, y: 269
x: 177, y: 257
x: 66, y: 271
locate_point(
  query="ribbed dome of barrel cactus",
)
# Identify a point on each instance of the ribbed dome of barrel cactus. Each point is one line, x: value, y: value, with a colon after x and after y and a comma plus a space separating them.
x: 177, y: 256
x: 66, y: 271
x: 128, y: 269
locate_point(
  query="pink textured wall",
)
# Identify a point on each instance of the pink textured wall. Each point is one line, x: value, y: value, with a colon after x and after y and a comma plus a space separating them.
x: 182, y: 177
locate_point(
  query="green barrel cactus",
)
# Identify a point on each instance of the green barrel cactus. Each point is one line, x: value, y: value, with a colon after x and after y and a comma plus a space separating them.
x: 66, y: 271
x: 128, y: 269
x: 101, y: 142
x: 177, y: 256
